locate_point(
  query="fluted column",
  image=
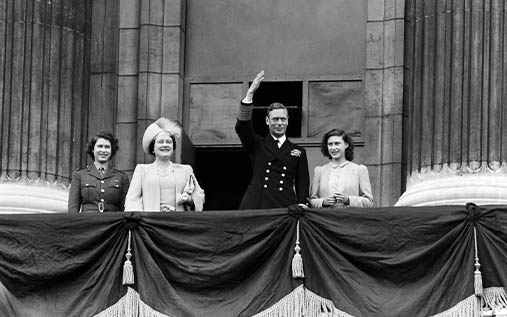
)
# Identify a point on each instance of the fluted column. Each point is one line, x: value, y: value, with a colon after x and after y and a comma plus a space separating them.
x: 43, y: 98
x: 455, y: 94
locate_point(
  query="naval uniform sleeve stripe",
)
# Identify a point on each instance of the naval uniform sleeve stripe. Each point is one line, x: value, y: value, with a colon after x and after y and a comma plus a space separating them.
x: 245, y: 111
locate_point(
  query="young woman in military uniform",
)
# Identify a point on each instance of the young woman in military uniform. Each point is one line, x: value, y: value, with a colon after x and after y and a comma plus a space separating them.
x: 99, y: 187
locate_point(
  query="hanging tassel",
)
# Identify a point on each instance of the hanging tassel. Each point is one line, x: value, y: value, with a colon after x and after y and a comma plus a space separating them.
x: 477, y: 272
x: 297, y: 260
x: 128, y: 269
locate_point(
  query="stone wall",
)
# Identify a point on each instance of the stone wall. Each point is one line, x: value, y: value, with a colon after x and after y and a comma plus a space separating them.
x: 384, y: 99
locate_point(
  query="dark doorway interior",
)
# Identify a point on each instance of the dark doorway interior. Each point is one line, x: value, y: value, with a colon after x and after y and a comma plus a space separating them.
x: 290, y: 94
x: 224, y: 174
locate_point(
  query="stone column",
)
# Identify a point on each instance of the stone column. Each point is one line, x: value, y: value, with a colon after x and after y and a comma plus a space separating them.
x: 455, y: 95
x: 43, y: 101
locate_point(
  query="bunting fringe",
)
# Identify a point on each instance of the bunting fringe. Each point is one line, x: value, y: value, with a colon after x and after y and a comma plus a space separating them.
x: 469, y: 307
x: 495, y: 300
x: 289, y: 306
x: 302, y: 302
x: 316, y: 305
x: 130, y: 305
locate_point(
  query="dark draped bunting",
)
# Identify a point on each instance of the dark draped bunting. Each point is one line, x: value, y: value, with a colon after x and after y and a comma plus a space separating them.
x: 394, y: 261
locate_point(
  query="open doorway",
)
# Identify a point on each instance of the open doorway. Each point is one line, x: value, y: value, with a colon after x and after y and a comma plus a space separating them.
x: 224, y: 174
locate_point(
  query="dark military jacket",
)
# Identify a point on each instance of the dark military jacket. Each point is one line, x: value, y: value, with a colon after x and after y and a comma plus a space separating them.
x: 91, y: 192
x: 280, y: 176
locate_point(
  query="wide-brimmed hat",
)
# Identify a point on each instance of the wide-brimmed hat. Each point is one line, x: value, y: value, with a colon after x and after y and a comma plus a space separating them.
x: 161, y: 125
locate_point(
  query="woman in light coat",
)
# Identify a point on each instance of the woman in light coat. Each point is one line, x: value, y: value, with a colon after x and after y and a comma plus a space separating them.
x: 163, y: 185
x: 340, y: 183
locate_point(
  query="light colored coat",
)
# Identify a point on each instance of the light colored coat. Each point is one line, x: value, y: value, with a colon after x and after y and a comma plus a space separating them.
x: 144, y: 190
x: 357, y: 186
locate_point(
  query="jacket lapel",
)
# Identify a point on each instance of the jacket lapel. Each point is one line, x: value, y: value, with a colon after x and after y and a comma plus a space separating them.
x: 151, y: 189
x: 287, y: 146
x: 92, y: 171
x: 270, y: 144
x: 108, y: 173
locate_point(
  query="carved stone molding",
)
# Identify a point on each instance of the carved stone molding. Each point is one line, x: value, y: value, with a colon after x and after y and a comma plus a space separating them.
x: 457, y: 190
x: 480, y: 183
x: 36, y: 197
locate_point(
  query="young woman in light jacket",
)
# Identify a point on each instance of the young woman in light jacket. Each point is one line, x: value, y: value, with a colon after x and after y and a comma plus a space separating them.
x: 340, y: 183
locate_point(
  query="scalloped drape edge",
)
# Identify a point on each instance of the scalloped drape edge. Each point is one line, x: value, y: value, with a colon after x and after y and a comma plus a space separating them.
x: 130, y: 305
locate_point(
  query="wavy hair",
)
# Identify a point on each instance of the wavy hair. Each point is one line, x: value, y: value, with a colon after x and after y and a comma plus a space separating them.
x: 102, y: 135
x: 349, y: 151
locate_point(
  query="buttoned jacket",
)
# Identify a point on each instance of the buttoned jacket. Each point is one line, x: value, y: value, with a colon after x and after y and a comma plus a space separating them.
x: 89, y: 190
x: 357, y: 185
x: 280, y: 176
x: 144, y: 191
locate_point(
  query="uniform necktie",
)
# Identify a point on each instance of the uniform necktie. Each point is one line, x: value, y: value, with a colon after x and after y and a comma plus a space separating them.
x: 278, y: 143
x: 101, y: 171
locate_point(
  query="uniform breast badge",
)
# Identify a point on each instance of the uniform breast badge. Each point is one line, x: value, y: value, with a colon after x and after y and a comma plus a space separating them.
x: 295, y: 152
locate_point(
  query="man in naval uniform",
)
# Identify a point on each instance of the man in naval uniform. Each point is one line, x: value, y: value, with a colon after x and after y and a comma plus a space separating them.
x: 280, y: 175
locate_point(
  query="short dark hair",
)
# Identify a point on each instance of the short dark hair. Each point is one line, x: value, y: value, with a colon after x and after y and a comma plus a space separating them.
x: 349, y: 151
x: 102, y: 135
x: 151, y: 147
x: 275, y: 106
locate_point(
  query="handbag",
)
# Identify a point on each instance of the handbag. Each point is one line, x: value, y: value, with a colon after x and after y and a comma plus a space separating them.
x: 189, y: 190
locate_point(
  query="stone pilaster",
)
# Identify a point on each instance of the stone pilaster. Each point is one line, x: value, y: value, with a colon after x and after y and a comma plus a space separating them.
x: 456, y: 123
x: 128, y: 84
x: 150, y: 72
x: 384, y: 98
x: 161, y: 56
